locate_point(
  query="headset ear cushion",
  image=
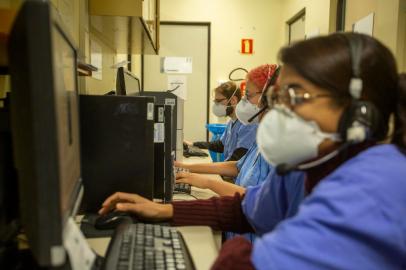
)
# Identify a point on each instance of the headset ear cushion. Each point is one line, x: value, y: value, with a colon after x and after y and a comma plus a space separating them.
x: 361, y: 121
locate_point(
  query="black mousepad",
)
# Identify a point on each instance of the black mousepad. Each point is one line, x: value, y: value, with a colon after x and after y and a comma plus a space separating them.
x: 88, y: 229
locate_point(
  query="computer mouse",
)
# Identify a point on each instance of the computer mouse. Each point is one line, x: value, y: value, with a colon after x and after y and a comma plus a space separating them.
x: 112, y: 219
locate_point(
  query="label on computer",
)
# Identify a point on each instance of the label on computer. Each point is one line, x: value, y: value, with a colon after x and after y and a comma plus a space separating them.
x: 150, y: 111
x: 160, y: 114
x: 159, y: 133
x: 170, y: 101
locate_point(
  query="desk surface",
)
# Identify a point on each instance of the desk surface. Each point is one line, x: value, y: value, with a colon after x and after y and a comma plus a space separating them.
x: 201, y: 241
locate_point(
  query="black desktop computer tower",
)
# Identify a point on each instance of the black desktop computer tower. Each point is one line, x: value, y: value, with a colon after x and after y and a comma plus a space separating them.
x: 167, y: 98
x: 159, y: 153
x: 163, y: 165
x: 117, y: 147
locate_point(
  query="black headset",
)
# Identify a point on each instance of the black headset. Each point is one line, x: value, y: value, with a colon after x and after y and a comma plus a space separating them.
x: 229, y: 108
x: 361, y: 120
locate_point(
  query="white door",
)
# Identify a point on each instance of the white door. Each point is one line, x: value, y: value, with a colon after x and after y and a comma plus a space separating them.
x: 297, y: 29
x: 184, y: 40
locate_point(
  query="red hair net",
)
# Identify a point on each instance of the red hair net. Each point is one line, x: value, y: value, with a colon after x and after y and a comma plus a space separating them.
x: 261, y: 74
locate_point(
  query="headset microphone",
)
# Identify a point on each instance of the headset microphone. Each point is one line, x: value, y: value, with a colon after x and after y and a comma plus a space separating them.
x: 258, y: 113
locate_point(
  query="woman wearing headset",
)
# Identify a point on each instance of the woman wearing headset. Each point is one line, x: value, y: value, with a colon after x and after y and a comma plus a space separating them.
x: 335, y: 95
x: 251, y: 169
x: 237, y: 138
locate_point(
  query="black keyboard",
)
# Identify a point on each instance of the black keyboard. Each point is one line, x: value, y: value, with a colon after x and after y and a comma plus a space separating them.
x: 182, y: 188
x: 147, y: 246
x: 193, y: 151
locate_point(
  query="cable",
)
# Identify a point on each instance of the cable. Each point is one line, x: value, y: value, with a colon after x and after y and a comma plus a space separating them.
x: 174, y: 89
x: 234, y: 70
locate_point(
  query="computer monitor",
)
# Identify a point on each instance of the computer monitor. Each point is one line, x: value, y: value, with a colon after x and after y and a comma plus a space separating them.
x: 127, y: 83
x: 45, y: 128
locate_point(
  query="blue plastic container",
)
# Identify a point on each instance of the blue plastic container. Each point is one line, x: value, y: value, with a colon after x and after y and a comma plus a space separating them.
x: 217, y: 130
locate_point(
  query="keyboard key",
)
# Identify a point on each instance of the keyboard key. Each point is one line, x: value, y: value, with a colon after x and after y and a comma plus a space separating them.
x: 180, y: 266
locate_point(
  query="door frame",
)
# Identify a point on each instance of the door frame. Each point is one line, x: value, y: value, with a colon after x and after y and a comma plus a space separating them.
x: 186, y: 23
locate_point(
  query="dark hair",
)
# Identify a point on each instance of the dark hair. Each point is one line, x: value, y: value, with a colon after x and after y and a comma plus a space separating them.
x: 326, y: 62
x: 227, y: 89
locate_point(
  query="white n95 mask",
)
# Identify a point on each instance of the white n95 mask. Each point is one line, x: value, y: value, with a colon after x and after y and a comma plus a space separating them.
x: 283, y: 137
x: 245, y: 110
x: 219, y: 110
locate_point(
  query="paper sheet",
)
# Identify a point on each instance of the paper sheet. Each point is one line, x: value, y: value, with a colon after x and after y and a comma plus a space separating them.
x: 96, y: 59
x: 365, y: 25
x: 176, y: 65
x: 178, y: 86
x: 80, y: 255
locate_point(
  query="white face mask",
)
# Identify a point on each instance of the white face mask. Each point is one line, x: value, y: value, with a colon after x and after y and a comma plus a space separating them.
x: 285, y: 138
x: 245, y: 110
x: 219, y: 109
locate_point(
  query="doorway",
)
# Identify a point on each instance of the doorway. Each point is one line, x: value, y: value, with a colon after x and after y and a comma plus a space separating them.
x: 296, y: 27
x: 184, y: 39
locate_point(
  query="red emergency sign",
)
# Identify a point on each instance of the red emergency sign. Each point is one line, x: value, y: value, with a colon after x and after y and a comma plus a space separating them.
x: 247, y: 46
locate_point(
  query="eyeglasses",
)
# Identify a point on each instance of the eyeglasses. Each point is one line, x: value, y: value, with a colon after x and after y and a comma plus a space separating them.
x: 249, y: 97
x: 288, y: 95
x: 219, y: 100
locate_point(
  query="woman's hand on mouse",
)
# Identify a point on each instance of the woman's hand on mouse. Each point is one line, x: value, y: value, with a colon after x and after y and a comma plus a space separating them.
x: 133, y: 203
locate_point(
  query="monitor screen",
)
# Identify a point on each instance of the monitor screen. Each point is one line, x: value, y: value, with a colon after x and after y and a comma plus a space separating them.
x: 132, y: 84
x: 45, y: 128
x: 127, y: 83
x: 66, y: 102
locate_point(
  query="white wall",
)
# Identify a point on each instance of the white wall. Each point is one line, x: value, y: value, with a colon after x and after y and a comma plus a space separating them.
x: 317, y: 14
x: 232, y: 20
x: 401, y: 44
x: 386, y: 19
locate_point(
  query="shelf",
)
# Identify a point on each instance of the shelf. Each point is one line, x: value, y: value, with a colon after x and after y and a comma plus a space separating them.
x: 84, y: 69
x: 129, y: 26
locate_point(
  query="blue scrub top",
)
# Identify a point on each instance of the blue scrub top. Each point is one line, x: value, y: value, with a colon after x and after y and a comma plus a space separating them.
x: 253, y: 170
x: 354, y: 219
x: 237, y: 136
x: 277, y: 199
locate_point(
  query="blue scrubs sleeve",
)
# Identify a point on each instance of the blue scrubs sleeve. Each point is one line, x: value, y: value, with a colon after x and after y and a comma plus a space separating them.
x: 246, y: 136
x: 275, y: 200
